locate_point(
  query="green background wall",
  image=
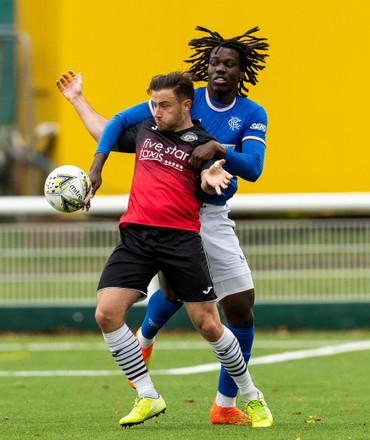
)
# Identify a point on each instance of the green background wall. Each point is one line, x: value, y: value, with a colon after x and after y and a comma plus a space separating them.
x: 340, y: 316
x: 7, y: 91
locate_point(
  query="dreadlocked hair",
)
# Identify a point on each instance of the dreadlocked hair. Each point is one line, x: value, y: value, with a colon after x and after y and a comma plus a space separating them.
x: 248, y: 46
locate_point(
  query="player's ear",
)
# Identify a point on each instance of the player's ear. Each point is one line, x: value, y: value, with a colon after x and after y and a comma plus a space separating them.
x: 187, y: 104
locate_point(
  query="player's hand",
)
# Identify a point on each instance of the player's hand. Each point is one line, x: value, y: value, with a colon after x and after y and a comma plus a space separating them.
x: 96, y: 181
x: 70, y: 85
x: 215, y: 178
x: 208, y: 151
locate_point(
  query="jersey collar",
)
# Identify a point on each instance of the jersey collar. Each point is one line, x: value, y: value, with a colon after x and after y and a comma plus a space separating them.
x: 216, y: 106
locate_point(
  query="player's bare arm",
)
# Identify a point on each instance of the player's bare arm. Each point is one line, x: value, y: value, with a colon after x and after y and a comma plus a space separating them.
x: 215, y: 178
x: 70, y: 86
x: 208, y: 151
x: 95, y: 173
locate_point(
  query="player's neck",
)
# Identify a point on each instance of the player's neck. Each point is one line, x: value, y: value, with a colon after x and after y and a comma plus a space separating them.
x: 184, y: 125
x: 222, y: 98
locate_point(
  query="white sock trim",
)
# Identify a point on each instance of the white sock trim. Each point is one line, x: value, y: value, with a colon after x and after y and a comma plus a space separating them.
x: 224, y: 401
x: 144, y: 342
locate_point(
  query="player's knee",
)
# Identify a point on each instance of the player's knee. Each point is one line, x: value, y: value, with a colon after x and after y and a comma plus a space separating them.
x: 210, y: 329
x: 100, y: 318
x: 106, y: 321
x: 241, y: 320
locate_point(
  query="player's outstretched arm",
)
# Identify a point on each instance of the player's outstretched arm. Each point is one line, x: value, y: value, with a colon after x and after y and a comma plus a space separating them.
x: 215, y: 178
x: 70, y: 86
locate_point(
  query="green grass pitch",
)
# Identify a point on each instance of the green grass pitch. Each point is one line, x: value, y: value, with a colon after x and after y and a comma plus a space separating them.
x: 68, y: 387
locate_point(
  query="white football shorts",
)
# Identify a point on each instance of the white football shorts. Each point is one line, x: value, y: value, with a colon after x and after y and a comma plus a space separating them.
x: 227, y: 263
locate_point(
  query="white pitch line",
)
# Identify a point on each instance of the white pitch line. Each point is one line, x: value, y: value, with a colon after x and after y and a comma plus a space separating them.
x: 329, y: 350
x: 276, y: 358
x: 61, y: 373
x: 179, y: 345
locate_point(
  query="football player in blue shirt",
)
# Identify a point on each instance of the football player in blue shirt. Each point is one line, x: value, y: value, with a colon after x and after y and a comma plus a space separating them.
x: 239, y: 124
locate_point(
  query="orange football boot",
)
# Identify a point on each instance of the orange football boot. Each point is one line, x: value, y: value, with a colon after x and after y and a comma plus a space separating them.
x: 221, y: 415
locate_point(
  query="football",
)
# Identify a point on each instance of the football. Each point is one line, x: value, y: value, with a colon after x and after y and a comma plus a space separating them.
x: 66, y: 188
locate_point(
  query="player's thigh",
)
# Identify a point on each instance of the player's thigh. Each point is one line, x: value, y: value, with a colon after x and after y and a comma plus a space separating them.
x: 166, y: 288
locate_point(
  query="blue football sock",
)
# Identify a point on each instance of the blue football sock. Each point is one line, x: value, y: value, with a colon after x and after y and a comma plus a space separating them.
x: 245, y: 336
x: 158, y: 312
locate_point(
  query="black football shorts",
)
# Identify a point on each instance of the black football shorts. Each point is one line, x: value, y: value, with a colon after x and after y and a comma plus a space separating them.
x: 143, y: 251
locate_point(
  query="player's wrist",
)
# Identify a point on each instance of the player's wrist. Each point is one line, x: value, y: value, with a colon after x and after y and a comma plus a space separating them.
x: 98, y: 163
x: 221, y: 151
x: 77, y: 100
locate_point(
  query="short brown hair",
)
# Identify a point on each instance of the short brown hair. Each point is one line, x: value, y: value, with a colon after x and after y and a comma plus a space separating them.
x: 180, y: 82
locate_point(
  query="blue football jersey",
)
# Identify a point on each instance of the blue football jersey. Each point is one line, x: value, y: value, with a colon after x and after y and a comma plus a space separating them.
x: 241, y: 120
x: 241, y: 127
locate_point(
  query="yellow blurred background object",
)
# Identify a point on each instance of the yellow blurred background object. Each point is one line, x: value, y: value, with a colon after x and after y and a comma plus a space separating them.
x: 315, y: 86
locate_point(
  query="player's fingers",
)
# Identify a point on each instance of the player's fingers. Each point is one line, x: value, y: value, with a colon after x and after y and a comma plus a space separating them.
x: 194, y: 162
x: 72, y: 73
x: 88, y: 197
x: 219, y: 163
x: 67, y: 78
x: 61, y: 86
x: 63, y: 81
x: 87, y: 203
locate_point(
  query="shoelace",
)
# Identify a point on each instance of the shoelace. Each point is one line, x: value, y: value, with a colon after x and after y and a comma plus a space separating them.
x: 137, y: 400
x: 255, y: 403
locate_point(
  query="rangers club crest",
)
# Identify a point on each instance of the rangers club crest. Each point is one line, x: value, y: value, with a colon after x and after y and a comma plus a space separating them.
x: 234, y: 123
